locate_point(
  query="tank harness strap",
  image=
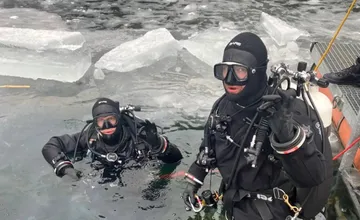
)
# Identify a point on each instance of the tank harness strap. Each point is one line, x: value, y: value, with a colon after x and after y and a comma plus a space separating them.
x: 233, y: 196
x: 263, y: 209
x: 215, y: 108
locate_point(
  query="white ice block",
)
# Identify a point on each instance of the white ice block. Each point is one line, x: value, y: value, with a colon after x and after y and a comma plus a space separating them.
x: 144, y: 51
x: 279, y: 30
x: 208, y: 46
x: 45, y: 54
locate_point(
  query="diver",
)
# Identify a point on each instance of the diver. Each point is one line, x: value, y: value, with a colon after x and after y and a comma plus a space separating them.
x: 291, y: 167
x: 113, y: 138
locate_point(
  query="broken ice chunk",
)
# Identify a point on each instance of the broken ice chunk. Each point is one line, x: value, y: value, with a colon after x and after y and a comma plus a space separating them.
x: 45, y: 54
x: 279, y: 30
x: 209, y: 45
x: 190, y: 18
x: 144, y: 51
x: 99, y: 74
x: 40, y: 40
x: 287, y: 53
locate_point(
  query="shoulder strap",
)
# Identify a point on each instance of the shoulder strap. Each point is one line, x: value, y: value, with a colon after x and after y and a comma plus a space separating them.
x: 213, y: 109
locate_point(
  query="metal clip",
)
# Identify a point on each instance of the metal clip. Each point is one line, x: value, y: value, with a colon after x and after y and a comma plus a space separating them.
x: 278, y: 193
x: 201, y: 206
x: 295, y: 209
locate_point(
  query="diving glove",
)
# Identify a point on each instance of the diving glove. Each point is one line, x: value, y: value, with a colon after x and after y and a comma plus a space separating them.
x: 189, y: 194
x: 286, y: 135
x: 72, y: 173
x: 278, y: 111
x: 150, y: 135
x: 193, y: 185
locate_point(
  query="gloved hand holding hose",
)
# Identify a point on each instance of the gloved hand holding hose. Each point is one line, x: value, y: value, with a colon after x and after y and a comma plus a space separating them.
x: 189, y: 195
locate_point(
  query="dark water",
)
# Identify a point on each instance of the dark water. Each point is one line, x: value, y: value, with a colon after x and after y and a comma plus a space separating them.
x: 178, y: 101
x: 186, y: 17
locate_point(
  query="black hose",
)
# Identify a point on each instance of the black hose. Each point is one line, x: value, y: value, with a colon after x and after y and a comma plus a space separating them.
x: 278, y: 85
x: 77, y: 141
x: 131, y: 114
x: 135, y: 127
x: 261, y: 135
x: 320, y: 121
x: 306, y: 103
x: 88, y: 144
x: 239, y: 152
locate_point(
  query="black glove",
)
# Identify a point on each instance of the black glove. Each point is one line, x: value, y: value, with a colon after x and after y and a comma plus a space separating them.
x: 190, y: 192
x: 72, y: 173
x: 278, y: 109
x: 150, y: 135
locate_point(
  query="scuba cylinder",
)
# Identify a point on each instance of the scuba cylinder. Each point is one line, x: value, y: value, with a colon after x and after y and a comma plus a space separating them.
x: 323, y: 105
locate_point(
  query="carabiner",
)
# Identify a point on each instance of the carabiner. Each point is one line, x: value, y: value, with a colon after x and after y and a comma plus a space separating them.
x: 293, y: 208
x: 199, y: 202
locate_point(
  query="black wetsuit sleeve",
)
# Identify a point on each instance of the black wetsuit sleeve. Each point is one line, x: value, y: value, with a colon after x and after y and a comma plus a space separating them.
x: 172, y: 153
x: 198, y: 171
x: 63, y: 144
x: 308, y: 166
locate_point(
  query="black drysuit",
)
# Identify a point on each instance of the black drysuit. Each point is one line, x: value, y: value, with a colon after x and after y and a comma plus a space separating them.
x: 126, y: 148
x: 305, y: 168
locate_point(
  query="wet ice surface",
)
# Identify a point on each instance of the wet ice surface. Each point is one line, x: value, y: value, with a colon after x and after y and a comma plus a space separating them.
x: 176, y: 92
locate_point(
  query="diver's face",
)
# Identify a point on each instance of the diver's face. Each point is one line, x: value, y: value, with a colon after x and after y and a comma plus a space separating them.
x: 233, y: 89
x: 234, y: 76
x: 107, y: 124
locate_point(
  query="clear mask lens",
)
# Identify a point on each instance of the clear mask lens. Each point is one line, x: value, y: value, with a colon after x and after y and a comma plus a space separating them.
x: 102, y: 120
x: 221, y: 70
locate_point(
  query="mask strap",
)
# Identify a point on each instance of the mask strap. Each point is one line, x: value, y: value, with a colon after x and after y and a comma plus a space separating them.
x: 263, y: 65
